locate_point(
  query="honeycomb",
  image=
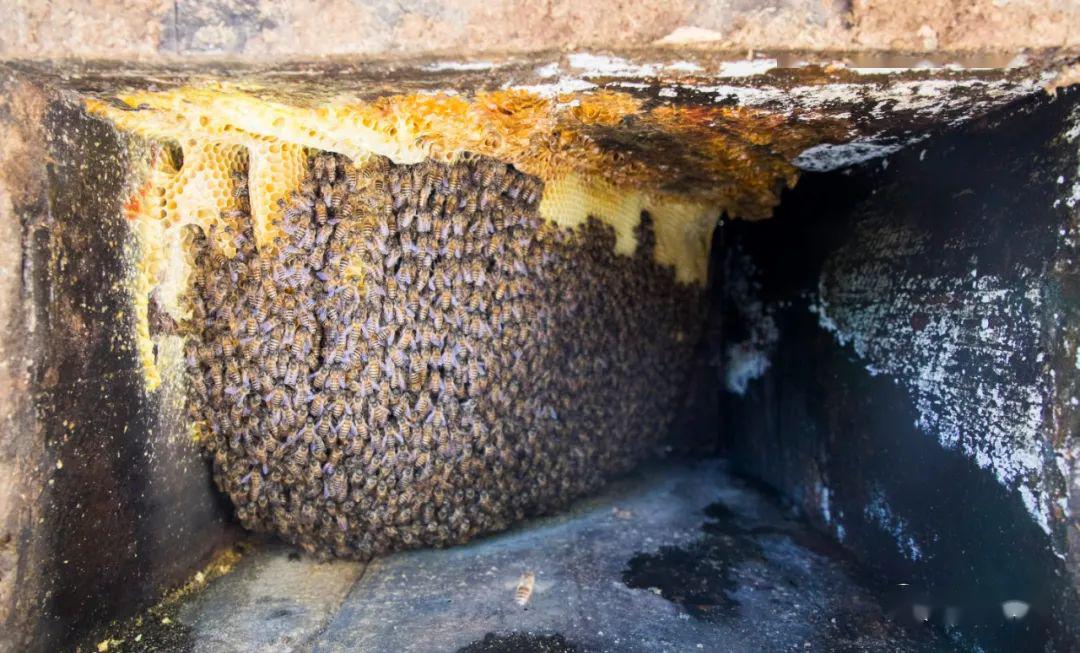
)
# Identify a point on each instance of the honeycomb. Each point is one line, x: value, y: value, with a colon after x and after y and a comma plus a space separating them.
x: 683, y: 230
x: 491, y: 366
x: 728, y: 158
x: 201, y: 180
x: 603, y: 155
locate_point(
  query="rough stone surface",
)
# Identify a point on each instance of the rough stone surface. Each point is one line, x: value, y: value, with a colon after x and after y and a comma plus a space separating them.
x: 271, y: 601
x: 257, y: 28
x: 919, y: 389
x: 23, y: 463
x: 765, y: 583
x: 104, y: 501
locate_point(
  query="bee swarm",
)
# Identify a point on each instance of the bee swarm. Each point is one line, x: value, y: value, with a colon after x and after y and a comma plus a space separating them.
x: 420, y: 358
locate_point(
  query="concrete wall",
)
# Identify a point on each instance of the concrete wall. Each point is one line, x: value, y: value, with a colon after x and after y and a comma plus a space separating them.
x: 104, y: 502
x: 23, y: 467
x: 259, y: 28
x: 901, y: 359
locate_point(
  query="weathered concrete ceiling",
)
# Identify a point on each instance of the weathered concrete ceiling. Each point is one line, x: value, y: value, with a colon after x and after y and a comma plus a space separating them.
x: 869, y: 103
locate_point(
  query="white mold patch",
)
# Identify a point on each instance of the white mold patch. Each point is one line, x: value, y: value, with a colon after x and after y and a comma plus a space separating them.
x: 458, y: 66
x: 746, y: 67
x: 744, y: 362
x: 747, y: 359
x: 953, y: 99
x: 598, y: 65
x: 878, y: 512
x: 563, y: 86
x: 825, y: 508
x: 1072, y: 135
x: 823, y: 503
x: 963, y: 346
x: 550, y: 70
x: 825, y: 157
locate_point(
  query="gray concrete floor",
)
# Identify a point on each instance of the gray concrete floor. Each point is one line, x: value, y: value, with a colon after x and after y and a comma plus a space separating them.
x: 678, y: 557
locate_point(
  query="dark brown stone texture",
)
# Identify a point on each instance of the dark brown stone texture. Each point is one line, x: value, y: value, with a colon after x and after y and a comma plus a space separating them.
x: 103, y: 501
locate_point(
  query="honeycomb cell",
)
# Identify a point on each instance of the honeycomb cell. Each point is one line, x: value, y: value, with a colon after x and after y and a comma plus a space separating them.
x: 276, y: 169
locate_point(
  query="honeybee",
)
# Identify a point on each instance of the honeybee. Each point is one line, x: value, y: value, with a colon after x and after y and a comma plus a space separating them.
x: 228, y: 346
x: 489, y: 173
x: 321, y: 215
x: 300, y: 343
x: 450, y: 388
x: 454, y: 179
x: 318, y: 446
x: 318, y: 166
x: 427, y: 436
x: 455, y: 249
x: 312, y: 474
x: 255, y: 486
x: 292, y: 373
x: 337, y: 409
x: 380, y: 414
x: 198, y: 384
x: 417, y: 368
x: 424, y: 194
x: 472, y: 203
x: 533, y: 190
x: 407, y: 339
x: 307, y: 515
x: 423, y: 222
x: 474, y: 370
x: 336, y: 380
x: 240, y: 186
x: 423, y: 404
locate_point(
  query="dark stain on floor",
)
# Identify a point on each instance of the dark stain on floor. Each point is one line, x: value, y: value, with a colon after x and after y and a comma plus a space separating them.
x: 698, y: 576
x: 522, y: 643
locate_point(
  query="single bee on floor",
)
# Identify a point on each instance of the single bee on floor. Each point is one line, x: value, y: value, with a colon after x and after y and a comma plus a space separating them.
x: 524, y: 588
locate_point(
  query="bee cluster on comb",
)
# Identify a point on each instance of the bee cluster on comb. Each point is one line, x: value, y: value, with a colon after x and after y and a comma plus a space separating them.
x: 420, y: 358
